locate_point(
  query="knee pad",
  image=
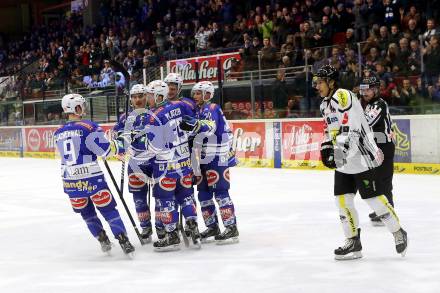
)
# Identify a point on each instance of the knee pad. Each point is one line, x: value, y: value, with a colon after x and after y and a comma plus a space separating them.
x: 347, y: 214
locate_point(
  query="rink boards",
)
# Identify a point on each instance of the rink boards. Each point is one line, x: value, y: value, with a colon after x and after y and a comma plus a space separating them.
x: 280, y: 143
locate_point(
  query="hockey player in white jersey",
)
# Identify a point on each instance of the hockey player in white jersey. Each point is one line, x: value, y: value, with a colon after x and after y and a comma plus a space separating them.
x: 349, y: 147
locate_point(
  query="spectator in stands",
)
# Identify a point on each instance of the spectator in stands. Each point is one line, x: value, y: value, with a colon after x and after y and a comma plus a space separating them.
x: 360, y: 22
x: 413, y: 32
x: 325, y: 32
x: 395, y: 35
x: 431, y: 30
x: 404, y: 94
x: 434, y: 91
x: 280, y: 91
x: 266, y: 27
x: 414, y: 60
x: 432, y: 60
x: 350, y: 39
x: 268, y: 55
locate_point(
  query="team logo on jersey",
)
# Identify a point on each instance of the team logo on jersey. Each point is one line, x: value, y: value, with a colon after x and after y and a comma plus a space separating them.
x: 79, y: 203
x: 166, y: 217
x: 167, y: 184
x: 137, y: 180
x: 342, y: 98
x: 212, y: 177
x: 226, y: 213
x: 102, y: 199
x: 186, y: 181
x: 345, y: 119
x: 226, y: 174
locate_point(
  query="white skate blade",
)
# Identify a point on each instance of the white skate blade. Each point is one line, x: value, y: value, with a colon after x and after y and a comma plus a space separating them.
x: 232, y: 240
x: 208, y: 240
x: 349, y: 256
x: 173, y: 247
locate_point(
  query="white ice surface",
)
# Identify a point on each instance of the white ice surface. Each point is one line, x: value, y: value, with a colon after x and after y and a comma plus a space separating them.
x: 288, y: 227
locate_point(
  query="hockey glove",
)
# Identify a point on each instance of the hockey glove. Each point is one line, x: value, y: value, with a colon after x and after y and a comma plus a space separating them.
x: 189, y: 123
x: 327, y: 155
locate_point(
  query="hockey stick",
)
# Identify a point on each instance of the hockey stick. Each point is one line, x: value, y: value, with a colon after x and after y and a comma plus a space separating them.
x: 118, y: 67
x: 133, y: 223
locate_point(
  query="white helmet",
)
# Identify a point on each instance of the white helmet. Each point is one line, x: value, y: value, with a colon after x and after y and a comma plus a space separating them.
x: 158, y: 88
x: 174, y: 78
x: 137, y: 89
x: 71, y: 101
x: 204, y: 87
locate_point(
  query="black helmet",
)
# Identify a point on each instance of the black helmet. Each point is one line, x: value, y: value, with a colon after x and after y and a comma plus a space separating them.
x: 370, y: 81
x: 328, y: 71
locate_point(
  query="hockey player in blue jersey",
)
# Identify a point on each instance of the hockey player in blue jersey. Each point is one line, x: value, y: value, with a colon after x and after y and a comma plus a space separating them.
x: 175, y: 82
x: 139, y: 170
x: 216, y: 157
x: 168, y: 146
x: 80, y: 142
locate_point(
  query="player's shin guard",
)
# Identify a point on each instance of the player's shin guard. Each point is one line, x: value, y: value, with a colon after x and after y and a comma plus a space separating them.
x: 168, y: 214
x: 160, y: 229
x: 385, y: 212
x: 114, y: 221
x: 226, y: 207
x: 93, y: 223
x: 189, y: 208
x: 208, y: 208
x: 142, y: 209
x: 348, y: 214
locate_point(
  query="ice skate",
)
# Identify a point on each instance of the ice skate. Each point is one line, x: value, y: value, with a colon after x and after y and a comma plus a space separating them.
x: 146, y: 235
x: 401, y: 240
x: 160, y: 231
x: 351, y: 250
x: 229, y: 236
x: 126, y: 246
x: 192, y: 231
x: 170, y: 242
x: 106, y: 245
x: 209, y: 234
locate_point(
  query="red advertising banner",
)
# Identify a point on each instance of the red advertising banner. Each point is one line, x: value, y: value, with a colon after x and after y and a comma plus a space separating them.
x: 207, y: 66
x: 249, y: 142
x: 301, y: 140
x: 39, y: 139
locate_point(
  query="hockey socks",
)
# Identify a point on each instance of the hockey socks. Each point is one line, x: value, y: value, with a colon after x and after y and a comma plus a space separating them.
x: 348, y: 214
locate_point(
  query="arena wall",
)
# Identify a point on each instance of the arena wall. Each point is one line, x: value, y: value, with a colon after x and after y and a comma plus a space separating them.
x: 286, y: 143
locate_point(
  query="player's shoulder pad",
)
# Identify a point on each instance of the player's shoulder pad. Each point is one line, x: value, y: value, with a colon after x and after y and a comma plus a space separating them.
x: 87, y: 124
x: 343, y: 98
x: 186, y: 102
x: 155, y: 113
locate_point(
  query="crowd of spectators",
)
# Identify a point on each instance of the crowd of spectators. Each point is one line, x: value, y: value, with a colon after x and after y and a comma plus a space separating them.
x: 395, y: 36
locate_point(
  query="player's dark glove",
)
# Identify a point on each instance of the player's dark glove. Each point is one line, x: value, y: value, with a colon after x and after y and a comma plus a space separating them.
x: 189, y: 123
x: 328, y: 155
